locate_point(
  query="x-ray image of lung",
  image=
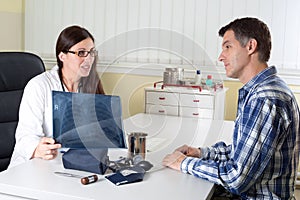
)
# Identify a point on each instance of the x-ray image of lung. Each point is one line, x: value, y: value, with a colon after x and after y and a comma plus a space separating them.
x: 87, y: 120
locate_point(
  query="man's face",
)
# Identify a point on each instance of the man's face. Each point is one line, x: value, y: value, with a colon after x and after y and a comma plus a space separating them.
x: 234, y: 56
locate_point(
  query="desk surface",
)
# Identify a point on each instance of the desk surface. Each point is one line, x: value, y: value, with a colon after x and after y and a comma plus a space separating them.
x: 36, y: 179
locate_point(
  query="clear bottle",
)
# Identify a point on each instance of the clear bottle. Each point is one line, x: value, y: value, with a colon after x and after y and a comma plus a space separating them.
x: 198, y: 77
x: 209, y: 81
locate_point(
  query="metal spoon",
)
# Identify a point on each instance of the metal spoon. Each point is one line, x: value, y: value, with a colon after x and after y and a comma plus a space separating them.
x: 68, y: 174
x: 84, y: 180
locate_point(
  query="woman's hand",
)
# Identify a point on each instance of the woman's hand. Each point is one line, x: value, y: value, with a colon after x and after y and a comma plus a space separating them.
x: 46, y: 149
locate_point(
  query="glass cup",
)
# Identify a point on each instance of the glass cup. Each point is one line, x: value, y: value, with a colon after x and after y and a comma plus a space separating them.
x: 137, y: 144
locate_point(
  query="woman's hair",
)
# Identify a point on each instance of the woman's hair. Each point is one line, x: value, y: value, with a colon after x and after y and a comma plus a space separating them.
x: 68, y: 38
x: 246, y: 28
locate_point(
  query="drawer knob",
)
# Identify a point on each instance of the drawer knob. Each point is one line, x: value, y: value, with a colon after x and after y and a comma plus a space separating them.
x: 162, y: 98
x: 196, y: 100
x: 161, y: 111
x: 195, y: 114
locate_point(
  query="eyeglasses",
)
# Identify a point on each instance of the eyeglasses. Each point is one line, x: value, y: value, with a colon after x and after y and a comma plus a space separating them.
x: 82, y: 53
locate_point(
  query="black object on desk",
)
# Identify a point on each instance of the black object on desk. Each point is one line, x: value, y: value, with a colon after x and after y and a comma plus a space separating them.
x: 128, y: 170
x: 127, y: 175
x: 90, y: 160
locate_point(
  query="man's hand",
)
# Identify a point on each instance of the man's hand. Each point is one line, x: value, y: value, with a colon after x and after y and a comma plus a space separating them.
x: 189, y: 151
x: 46, y: 149
x: 174, y: 160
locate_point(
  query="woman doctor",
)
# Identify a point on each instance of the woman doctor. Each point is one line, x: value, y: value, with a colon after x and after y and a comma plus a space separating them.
x: 75, y: 72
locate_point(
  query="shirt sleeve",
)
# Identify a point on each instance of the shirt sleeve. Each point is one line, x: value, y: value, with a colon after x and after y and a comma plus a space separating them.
x: 256, y: 135
x: 219, y: 151
x: 30, y: 126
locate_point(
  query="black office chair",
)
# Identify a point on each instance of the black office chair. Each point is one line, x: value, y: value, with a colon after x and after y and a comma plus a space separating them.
x: 16, y: 69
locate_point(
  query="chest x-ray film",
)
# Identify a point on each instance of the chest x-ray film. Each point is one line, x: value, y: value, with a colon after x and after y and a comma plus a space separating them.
x: 87, y: 120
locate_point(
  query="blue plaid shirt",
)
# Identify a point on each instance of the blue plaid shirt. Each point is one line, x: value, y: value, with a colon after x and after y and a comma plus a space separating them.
x: 262, y: 161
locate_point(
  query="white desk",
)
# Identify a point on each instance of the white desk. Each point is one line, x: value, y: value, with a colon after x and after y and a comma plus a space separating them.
x: 36, y: 180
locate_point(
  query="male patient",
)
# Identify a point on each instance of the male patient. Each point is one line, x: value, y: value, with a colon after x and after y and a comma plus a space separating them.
x: 261, y: 162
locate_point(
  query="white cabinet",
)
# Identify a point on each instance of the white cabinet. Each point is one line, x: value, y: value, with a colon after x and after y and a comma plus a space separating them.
x: 197, y: 100
x: 162, y: 109
x: 185, y: 102
x: 196, y: 112
x: 162, y: 103
x: 163, y: 98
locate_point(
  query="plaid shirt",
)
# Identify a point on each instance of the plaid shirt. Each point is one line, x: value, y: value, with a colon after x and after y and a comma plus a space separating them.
x: 262, y: 161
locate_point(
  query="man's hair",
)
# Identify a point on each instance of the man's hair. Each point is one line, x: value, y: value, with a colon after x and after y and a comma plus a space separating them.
x: 251, y: 28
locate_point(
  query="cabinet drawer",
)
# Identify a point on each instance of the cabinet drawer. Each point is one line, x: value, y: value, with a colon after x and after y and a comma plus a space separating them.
x: 162, y: 98
x: 163, y: 110
x: 194, y: 100
x: 196, y: 112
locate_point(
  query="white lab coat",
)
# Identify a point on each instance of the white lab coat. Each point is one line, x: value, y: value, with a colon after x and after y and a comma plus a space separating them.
x: 35, y: 114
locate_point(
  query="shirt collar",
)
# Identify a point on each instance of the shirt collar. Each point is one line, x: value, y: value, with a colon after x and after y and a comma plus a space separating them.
x: 265, y: 74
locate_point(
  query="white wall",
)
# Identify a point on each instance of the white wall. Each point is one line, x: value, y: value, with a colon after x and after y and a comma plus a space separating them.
x: 145, y: 36
x: 12, y: 29
x: 11, y: 21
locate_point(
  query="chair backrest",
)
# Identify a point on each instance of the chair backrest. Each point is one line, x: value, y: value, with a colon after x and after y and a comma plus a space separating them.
x: 16, y: 69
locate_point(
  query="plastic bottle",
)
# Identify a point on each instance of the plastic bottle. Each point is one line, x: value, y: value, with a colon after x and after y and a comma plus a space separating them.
x: 198, y: 77
x: 209, y: 81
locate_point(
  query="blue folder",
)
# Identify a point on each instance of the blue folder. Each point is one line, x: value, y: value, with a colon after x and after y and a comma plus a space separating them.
x: 87, y: 120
